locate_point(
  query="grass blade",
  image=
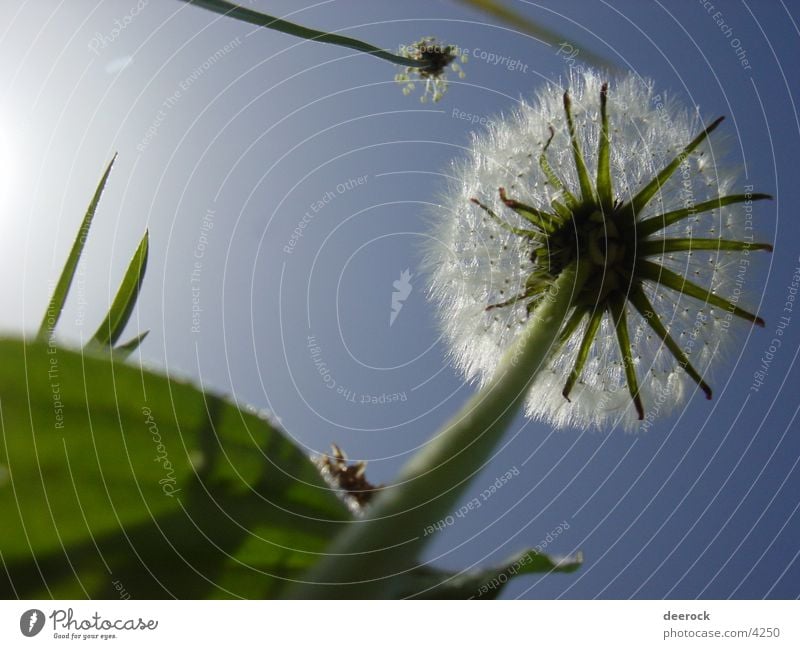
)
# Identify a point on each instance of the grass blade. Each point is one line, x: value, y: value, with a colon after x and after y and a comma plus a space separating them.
x: 122, y: 306
x: 56, y: 305
x: 126, y: 349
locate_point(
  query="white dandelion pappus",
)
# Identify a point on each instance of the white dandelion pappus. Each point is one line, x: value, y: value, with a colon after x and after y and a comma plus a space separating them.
x: 622, y: 179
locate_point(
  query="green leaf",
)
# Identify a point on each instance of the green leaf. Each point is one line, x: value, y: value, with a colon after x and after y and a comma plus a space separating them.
x: 112, y: 477
x: 112, y: 326
x: 486, y: 583
x: 59, y: 297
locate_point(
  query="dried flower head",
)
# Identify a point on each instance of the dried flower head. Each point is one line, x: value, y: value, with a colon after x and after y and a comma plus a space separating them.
x: 349, y: 478
x: 618, y: 178
x: 437, y: 58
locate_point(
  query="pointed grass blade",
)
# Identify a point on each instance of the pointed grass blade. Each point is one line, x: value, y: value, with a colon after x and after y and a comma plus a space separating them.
x: 56, y: 305
x: 126, y: 349
x: 122, y: 306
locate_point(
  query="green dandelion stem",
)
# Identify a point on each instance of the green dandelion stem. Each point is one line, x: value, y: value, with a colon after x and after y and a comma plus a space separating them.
x: 587, y: 191
x: 362, y: 559
x: 665, y: 277
x: 616, y: 304
x: 645, y: 309
x: 644, y: 196
x: 661, y: 246
x: 656, y: 223
x: 583, y: 351
x: 270, y: 22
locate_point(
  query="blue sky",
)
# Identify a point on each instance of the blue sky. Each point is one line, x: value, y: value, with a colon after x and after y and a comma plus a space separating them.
x: 223, y: 156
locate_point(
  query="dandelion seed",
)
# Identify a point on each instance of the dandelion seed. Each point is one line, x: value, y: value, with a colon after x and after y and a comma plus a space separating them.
x: 609, y: 177
x: 438, y: 59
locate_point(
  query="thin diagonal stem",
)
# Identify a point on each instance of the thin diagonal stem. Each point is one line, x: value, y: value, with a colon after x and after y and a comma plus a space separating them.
x: 270, y: 22
x: 367, y: 554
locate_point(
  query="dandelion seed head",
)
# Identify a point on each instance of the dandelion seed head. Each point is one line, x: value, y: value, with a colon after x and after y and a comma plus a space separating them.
x: 486, y: 277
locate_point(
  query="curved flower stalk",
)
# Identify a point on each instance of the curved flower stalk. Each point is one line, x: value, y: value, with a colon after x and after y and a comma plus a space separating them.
x: 626, y: 180
x: 426, y: 60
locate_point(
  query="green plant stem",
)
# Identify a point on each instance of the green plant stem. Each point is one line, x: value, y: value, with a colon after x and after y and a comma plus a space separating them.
x: 270, y: 22
x: 361, y: 561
